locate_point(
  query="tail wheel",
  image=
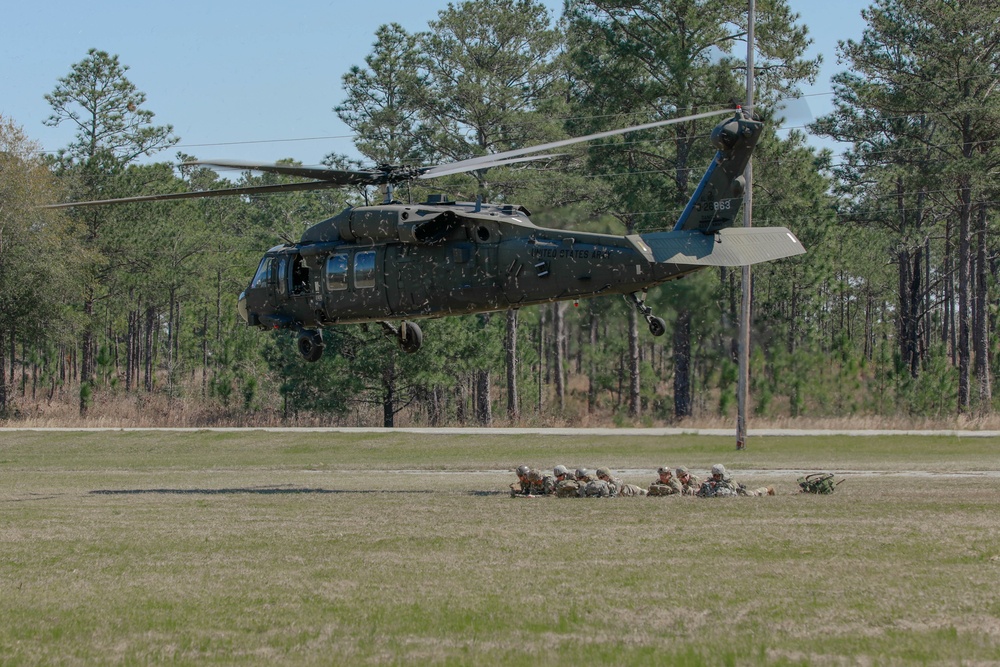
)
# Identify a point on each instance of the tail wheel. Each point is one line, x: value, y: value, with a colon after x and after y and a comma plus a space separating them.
x: 310, y: 344
x: 657, y: 326
x: 410, y: 337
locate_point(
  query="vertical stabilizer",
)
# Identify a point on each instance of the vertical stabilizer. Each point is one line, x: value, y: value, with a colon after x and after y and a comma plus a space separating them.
x: 716, y: 202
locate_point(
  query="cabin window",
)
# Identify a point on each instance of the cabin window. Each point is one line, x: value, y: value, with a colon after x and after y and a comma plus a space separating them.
x: 364, y: 269
x: 336, y: 272
x: 260, y: 278
x: 282, y: 271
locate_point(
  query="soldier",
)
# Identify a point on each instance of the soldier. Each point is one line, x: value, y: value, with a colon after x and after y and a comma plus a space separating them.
x: 689, y: 483
x: 614, y: 484
x: 566, y: 484
x: 536, y: 483
x: 665, y: 484
x: 594, y: 488
x: 549, y: 482
x: 618, y: 487
x: 721, y: 485
x: 521, y: 487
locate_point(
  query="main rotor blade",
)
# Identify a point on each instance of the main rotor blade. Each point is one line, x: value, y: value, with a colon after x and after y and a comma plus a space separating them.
x: 446, y: 169
x: 200, y: 194
x: 338, y: 176
x: 487, y: 161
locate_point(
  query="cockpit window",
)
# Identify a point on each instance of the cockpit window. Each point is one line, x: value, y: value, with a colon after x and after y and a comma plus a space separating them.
x: 364, y: 269
x: 260, y: 278
x: 336, y: 272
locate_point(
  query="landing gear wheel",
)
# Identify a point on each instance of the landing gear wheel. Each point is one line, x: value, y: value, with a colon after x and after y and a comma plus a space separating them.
x: 310, y: 344
x: 410, y: 337
x: 657, y: 326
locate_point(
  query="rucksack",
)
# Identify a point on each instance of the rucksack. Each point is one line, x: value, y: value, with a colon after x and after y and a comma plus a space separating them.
x: 567, y: 488
x: 818, y: 482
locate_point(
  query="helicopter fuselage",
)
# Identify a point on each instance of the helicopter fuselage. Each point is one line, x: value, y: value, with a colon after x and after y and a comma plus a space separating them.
x: 439, y: 258
x: 400, y: 261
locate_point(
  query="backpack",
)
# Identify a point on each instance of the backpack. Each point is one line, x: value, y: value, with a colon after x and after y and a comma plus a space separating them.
x: 567, y: 488
x: 818, y: 482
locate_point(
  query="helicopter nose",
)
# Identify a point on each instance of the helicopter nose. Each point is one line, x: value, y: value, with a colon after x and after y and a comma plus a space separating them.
x: 241, y: 307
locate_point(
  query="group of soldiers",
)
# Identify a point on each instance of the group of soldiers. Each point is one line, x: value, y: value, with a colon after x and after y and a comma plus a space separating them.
x: 601, y: 483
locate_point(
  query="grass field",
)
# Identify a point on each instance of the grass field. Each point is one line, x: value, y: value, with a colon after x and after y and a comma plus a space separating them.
x: 311, y: 548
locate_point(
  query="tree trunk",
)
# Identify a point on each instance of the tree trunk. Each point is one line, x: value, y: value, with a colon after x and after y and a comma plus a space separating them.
x: 634, y: 385
x: 435, y: 409
x: 981, y: 337
x: 13, y: 356
x: 964, y: 271
x: 3, y: 376
x: 87, y: 367
x: 148, y: 344
x: 129, y: 348
x: 558, y: 353
x: 927, y: 340
x: 909, y: 308
x: 510, y: 347
x: 541, y: 359
x: 484, y: 401
x: 204, y: 354
x: 682, y: 365
x: 389, y: 392
x: 591, y: 367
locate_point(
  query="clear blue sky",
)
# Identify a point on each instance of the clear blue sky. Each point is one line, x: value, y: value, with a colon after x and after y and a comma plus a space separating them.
x: 252, y: 79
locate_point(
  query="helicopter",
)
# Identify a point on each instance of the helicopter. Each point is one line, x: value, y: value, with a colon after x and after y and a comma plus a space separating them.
x: 397, y: 262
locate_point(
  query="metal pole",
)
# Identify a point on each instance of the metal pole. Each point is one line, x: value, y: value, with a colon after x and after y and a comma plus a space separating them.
x: 744, y: 335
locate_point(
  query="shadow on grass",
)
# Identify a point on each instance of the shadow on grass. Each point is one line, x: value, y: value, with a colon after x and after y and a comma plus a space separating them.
x: 268, y: 490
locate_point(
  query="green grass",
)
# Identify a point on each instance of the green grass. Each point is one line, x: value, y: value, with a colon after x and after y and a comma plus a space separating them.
x: 315, y: 549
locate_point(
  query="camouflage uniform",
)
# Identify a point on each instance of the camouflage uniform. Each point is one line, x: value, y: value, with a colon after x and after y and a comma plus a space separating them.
x: 719, y: 488
x: 690, y: 486
x: 721, y: 485
x: 596, y: 488
x: 564, y: 486
x: 668, y: 487
x: 614, y: 484
x: 591, y: 487
x: 619, y: 489
x: 548, y: 485
x: 537, y: 483
x: 756, y: 493
x: 567, y: 488
x: 521, y: 487
x: 630, y: 490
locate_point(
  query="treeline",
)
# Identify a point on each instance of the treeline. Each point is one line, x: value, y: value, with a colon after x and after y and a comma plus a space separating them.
x: 892, y: 312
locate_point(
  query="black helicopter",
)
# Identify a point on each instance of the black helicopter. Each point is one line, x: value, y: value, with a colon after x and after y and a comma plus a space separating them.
x: 401, y: 262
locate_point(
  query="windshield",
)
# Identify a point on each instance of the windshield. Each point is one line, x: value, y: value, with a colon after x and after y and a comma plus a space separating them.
x: 260, y: 278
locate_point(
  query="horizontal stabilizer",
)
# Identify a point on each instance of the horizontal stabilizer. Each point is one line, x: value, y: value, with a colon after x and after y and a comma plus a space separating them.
x: 734, y: 246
